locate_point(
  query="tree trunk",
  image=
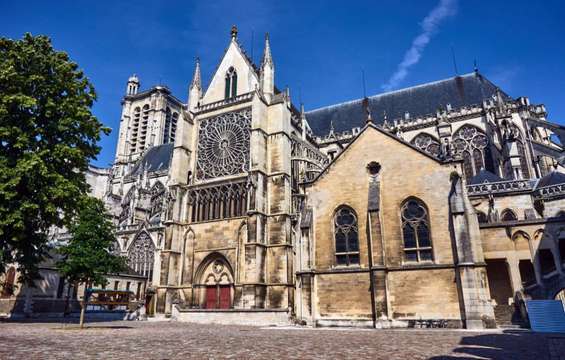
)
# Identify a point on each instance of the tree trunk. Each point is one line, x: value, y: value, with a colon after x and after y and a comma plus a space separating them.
x: 83, y: 305
x: 82, y: 311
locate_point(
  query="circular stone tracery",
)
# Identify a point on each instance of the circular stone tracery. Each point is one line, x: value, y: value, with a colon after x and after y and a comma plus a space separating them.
x: 223, y: 147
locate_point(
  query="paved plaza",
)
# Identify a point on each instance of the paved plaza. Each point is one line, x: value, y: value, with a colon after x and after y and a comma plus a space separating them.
x: 175, y: 340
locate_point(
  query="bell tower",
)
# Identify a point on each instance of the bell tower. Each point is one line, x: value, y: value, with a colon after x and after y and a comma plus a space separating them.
x: 133, y: 85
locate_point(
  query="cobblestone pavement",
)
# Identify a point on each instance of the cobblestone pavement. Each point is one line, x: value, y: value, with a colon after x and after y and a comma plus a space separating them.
x: 174, y: 340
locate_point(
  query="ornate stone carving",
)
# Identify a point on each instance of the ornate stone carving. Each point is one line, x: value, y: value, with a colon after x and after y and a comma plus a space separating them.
x: 427, y: 143
x: 223, y: 145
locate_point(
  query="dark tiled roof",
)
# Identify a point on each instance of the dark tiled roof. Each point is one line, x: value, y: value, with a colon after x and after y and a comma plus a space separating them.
x: 469, y: 89
x: 484, y: 176
x: 553, y: 178
x: 157, y: 158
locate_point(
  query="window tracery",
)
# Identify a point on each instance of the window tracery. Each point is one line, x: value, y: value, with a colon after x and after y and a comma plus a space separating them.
x: 416, y: 231
x: 223, y: 146
x: 218, y: 202
x: 141, y: 255
x: 471, y: 144
x: 126, y: 207
x: 157, y: 197
x: 427, y: 143
x: 346, y: 236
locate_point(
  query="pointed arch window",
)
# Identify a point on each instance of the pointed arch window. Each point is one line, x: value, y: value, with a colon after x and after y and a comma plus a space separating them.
x: 141, y: 255
x: 427, y: 143
x: 508, y: 215
x: 482, y: 217
x: 416, y: 231
x: 170, y: 128
x: 346, y: 234
x: 157, y: 195
x: 167, y: 128
x: 471, y: 143
x: 143, y: 128
x: 231, y: 83
x: 126, y: 206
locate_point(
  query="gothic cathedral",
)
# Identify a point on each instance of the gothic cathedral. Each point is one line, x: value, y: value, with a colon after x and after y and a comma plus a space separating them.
x: 442, y: 203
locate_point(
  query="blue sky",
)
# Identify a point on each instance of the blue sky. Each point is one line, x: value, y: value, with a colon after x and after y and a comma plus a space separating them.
x: 319, y: 47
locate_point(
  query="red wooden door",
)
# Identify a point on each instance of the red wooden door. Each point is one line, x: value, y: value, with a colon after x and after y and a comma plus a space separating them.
x: 225, y: 297
x: 211, y: 297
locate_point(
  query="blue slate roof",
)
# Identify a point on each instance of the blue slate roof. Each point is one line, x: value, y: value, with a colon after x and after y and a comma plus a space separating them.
x: 157, y: 158
x: 553, y: 178
x: 465, y: 90
x: 484, y: 176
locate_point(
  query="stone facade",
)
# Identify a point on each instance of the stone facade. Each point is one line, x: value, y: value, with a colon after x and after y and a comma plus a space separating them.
x: 437, y: 205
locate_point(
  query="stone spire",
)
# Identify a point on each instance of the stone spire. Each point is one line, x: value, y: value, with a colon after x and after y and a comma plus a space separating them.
x: 267, y: 71
x: 267, y: 57
x: 195, y: 89
x: 196, y: 78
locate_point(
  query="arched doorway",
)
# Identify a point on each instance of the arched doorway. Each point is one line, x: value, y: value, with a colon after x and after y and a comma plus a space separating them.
x: 216, y: 283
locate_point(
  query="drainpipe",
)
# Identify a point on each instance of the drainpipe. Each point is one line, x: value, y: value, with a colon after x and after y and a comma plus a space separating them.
x: 371, y: 277
x: 373, y: 205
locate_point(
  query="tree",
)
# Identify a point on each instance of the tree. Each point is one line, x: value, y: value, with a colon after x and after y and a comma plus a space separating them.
x: 88, y: 256
x: 48, y: 135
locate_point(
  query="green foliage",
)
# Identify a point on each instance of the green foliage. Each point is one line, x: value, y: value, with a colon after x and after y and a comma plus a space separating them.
x: 88, y: 254
x: 48, y: 135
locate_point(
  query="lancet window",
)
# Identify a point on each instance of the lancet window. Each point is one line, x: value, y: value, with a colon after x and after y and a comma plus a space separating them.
x: 135, y: 129
x: 143, y: 129
x: 346, y: 233
x: 416, y: 231
x: 126, y: 207
x: 218, y: 202
x: 170, y: 129
x: 231, y: 83
x: 157, y: 196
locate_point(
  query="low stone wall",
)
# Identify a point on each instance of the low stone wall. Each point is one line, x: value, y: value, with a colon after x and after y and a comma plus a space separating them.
x: 387, y: 324
x: 257, y: 317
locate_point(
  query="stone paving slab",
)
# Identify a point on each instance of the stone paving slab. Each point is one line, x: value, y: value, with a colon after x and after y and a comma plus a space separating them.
x: 174, y: 340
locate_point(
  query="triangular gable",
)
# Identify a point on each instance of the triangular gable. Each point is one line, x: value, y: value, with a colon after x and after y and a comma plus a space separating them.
x: 247, y: 77
x: 384, y: 132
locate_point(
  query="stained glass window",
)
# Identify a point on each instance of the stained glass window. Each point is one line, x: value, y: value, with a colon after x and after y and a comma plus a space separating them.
x: 416, y: 231
x: 346, y: 237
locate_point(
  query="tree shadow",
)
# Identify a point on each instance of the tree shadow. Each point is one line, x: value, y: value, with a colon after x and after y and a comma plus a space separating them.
x: 510, y: 344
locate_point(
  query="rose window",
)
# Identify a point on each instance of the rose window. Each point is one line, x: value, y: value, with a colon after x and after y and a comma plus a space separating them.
x: 223, y: 147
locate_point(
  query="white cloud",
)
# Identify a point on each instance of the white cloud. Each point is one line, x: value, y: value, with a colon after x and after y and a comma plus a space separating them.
x: 430, y: 24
